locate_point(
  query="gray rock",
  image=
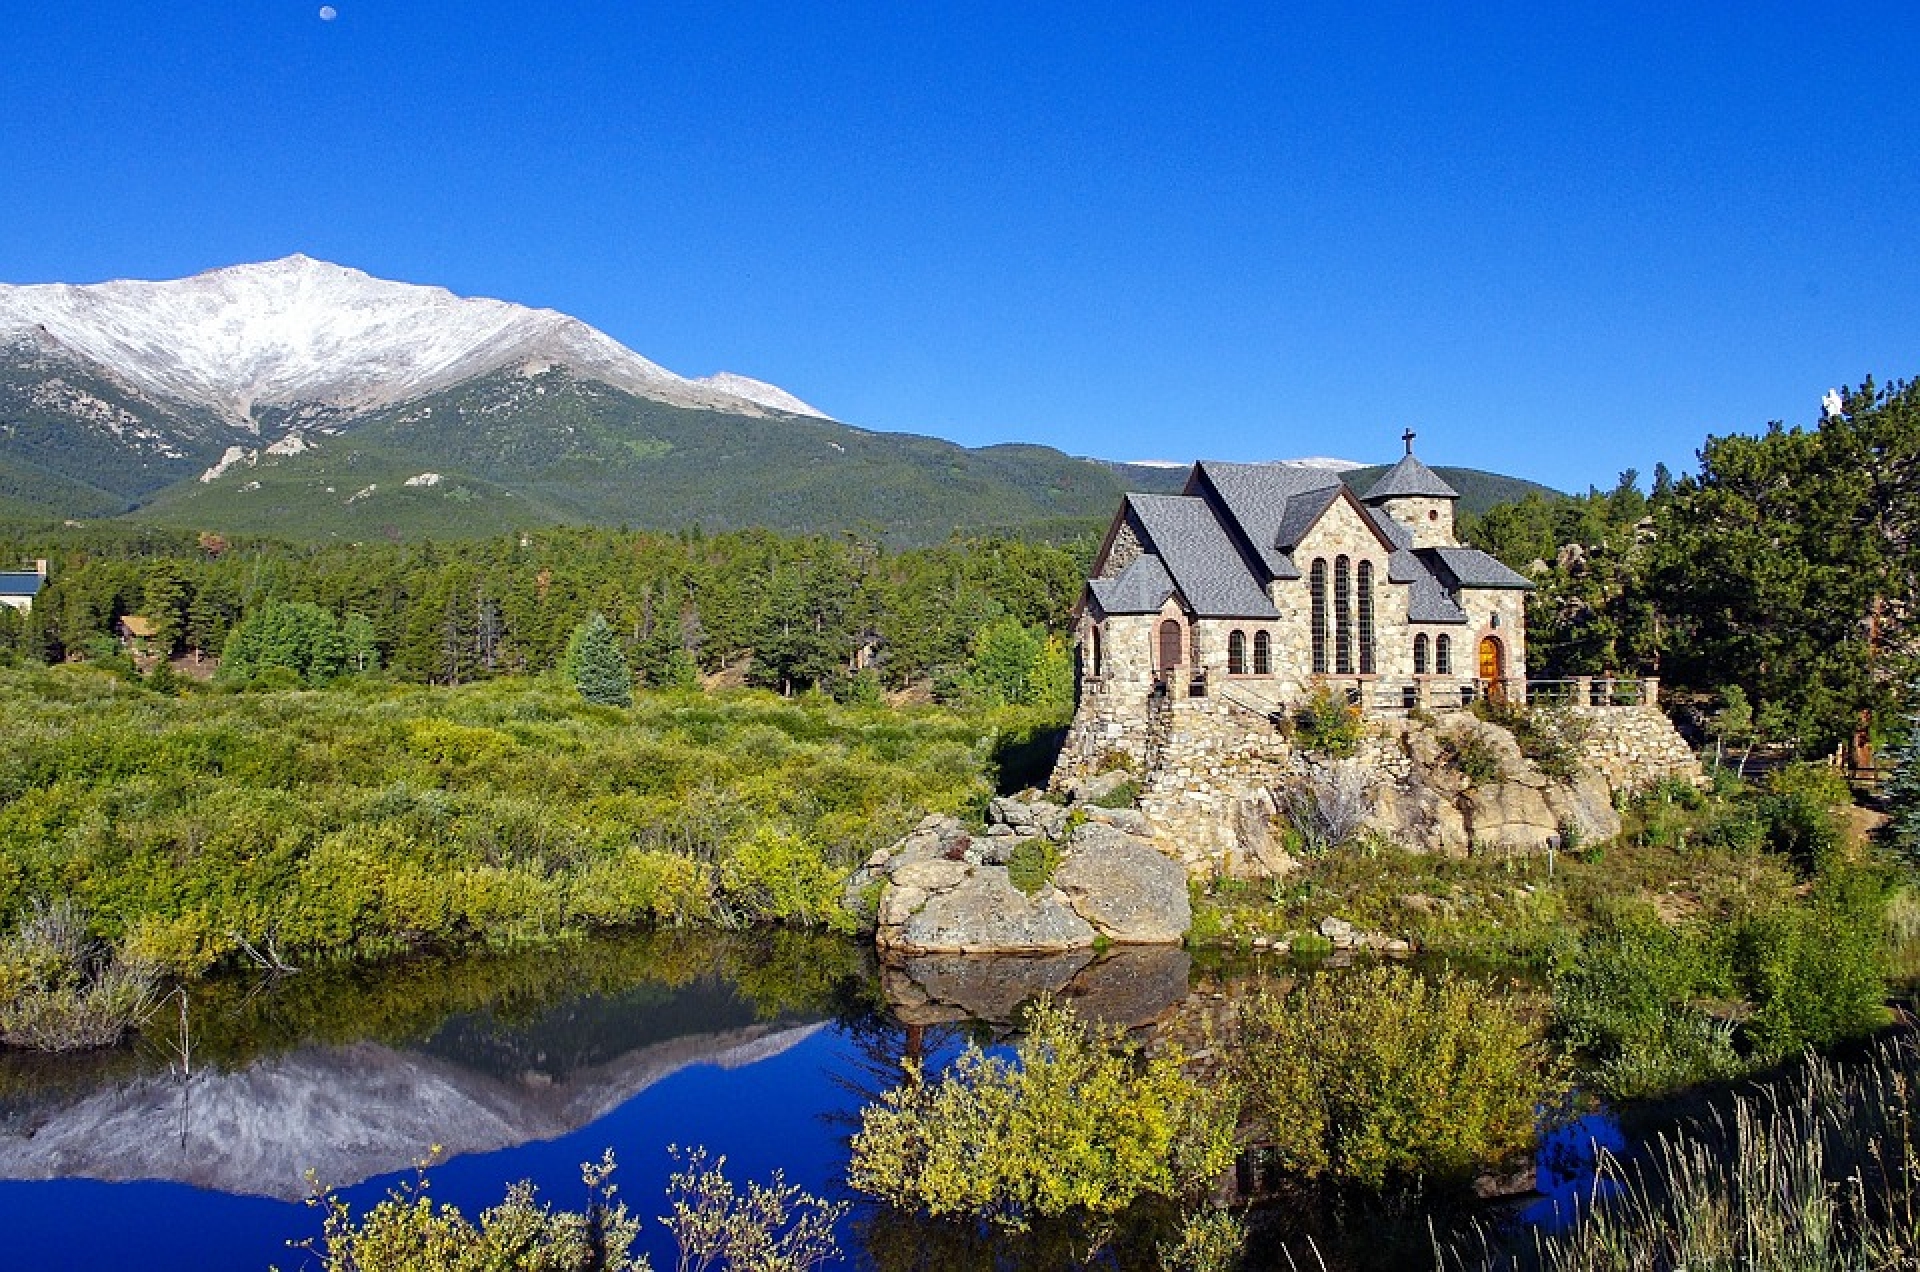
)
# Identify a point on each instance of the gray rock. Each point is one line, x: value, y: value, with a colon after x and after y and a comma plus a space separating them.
x: 1035, y: 817
x: 1339, y: 931
x: 1088, y: 790
x: 986, y: 913
x: 1131, y: 820
x: 1125, y: 887
x: 935, y: 875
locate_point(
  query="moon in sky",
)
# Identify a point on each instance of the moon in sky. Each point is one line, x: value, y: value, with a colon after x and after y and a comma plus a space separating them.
x: 328, y: 13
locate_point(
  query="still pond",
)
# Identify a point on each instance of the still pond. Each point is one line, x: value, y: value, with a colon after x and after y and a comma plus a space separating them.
x: 196, y: 1146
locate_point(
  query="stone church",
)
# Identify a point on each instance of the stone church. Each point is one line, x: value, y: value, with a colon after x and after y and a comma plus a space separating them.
x: 1260, y: 582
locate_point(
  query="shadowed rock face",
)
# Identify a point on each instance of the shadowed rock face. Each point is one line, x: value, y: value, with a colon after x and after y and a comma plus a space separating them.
x: 346, y: 1113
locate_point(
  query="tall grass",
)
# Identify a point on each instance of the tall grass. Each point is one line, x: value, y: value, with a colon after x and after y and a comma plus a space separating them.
x: 1817, y: 1171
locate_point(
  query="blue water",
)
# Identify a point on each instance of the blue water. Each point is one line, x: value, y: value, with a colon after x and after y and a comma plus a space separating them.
x: 761, y: 1052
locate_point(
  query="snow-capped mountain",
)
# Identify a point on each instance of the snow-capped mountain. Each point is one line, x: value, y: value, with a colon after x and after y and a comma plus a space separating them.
x: 302, y: 334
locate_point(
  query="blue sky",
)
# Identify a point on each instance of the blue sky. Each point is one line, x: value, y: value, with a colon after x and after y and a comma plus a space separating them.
x: 1557, y: 241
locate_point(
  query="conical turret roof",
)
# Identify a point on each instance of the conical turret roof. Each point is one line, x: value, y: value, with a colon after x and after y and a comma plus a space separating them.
x: 1409, y: 479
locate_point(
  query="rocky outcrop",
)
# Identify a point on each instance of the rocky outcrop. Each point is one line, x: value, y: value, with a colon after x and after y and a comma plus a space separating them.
x: 944, y: 890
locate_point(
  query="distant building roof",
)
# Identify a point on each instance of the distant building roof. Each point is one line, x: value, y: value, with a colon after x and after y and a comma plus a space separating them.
x: 1409, y: 479
x: 139, y: 626
x: 21, y: 583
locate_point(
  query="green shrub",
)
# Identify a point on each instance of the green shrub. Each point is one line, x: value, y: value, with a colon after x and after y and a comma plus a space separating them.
x: 1031, y: 864
x: 1083, y: 1124
x: 61, y: 990
x: 1121, y: 796
x: 1474, y: 757
x: 1815, y: 973
x: 1552, y: 737
x: 1801, y: 812
x: 1628, y: 998
x: 1381, y: 1074
x: 1326, y: 722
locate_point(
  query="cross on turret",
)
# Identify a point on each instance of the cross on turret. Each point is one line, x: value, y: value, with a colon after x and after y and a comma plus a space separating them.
x: 1407, y: 437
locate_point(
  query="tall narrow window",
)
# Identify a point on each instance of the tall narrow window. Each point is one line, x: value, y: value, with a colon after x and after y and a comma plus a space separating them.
x: 1098, y: 670
x: 1443, y: 655
x: 1420, y: 654
x: 1363, y: 580
x: 1237, y: 654
x: 1342, y: 616
x: 1262, y: 654
x: 1317, y: 586
x: 1170, y: 643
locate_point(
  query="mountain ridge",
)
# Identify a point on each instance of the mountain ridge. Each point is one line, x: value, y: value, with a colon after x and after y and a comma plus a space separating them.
x: 300, y: 399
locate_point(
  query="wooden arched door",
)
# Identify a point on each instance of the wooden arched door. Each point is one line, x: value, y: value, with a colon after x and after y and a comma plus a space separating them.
x: 1493, y: 668
x: 1172, y: 644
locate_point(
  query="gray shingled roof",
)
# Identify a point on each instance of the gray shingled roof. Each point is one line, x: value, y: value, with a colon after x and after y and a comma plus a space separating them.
x: 1470, y: 567
x: 21, y: 583
x: 1407, y: 478
x: 1142, y: 588
x: 1199, y: 553
x: 1261, y: 499
x: 1427, y: 599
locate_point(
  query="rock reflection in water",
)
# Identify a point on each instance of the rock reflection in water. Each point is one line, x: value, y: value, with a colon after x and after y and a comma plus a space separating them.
x: 1128, y: 987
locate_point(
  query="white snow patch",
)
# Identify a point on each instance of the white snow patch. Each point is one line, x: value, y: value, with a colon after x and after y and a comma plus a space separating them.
x: 424, y: 479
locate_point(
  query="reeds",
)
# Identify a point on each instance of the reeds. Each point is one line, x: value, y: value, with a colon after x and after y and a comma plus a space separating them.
x: 1818, y: 1171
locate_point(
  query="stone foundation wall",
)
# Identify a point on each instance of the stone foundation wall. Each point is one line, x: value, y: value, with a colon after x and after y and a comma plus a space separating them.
x: 1635, y: 747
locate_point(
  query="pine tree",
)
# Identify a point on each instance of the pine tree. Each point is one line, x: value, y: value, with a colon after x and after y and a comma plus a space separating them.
x: 596, y: 666
x: 1903, y: 786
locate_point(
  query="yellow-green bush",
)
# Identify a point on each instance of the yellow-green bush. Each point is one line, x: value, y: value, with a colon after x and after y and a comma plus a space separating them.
x: 1083, y: 1124
x: 1381, y: 1073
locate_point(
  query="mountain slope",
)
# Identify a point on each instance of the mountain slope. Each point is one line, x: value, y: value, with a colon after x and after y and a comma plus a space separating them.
x: 511, y: 450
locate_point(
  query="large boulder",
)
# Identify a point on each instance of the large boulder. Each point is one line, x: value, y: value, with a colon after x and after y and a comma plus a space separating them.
x: 1125, y: 887
x: 981, y: 912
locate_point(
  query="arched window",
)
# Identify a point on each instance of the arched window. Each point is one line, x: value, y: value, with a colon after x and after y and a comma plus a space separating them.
x: 1317, y: 587
x: 1237, y: 654
x: 1420, y: 654
x: 1342, y: 616
x: 1171, y: 642
x: 1262, y: 654
x: 1098, y: 668
x: 1364, y: 582
x: 1443, y: 655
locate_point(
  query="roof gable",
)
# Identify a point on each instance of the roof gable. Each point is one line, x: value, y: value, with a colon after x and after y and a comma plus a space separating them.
x: 1201, y: 556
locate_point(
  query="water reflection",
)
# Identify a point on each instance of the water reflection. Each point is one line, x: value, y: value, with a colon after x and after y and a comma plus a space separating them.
x: 257, y: 1112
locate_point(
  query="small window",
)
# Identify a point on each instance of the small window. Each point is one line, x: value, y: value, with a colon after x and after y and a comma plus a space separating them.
x: 1443, y: 655
x: 1262, y: 654
x: 1237, y: 654
x: 1098, y: 669
x: 1420, y: 654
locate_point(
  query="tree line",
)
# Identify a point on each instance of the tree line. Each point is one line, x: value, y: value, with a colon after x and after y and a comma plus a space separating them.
x: 843, y: 615
x: 1778, y: 585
